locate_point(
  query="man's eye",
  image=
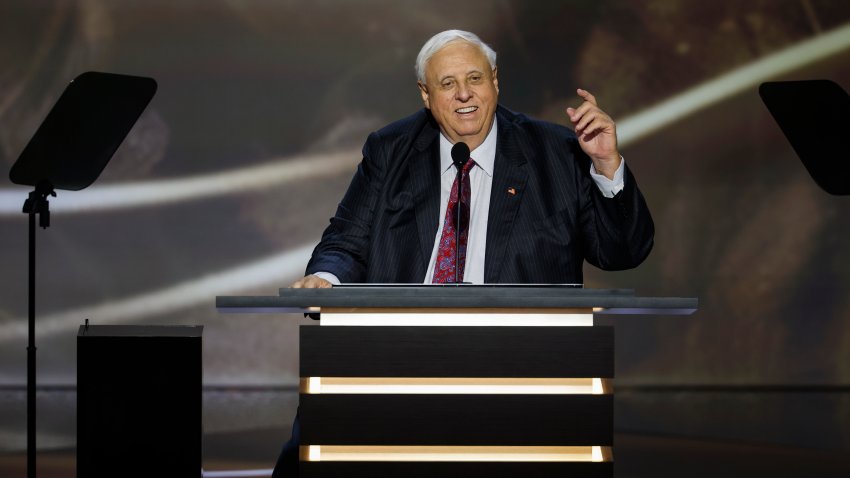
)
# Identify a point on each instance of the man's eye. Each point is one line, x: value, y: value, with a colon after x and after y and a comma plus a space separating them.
x: 447, y: 84
x: 475, y: 79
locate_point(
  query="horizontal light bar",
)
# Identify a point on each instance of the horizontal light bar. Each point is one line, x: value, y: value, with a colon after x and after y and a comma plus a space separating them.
x: 484, y: 317
x: 451, y: 385
x: 318, y: 453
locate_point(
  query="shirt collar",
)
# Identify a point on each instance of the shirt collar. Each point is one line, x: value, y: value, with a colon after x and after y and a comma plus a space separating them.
x: 484, y: 155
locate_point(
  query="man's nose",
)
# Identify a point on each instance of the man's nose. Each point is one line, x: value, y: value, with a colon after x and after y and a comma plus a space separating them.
x: 464, y: 93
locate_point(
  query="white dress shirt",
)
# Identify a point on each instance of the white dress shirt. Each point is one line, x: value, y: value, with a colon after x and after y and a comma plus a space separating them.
x: 481, y: 182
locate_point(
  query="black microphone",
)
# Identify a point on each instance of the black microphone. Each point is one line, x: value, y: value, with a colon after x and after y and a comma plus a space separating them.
x: 460, y: 155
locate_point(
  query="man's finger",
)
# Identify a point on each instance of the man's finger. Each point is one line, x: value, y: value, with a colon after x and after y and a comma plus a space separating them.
x: 586, y: 96
x: 592, y: 114
x: 577, y: 113
x: 585, y: 120
x: 592, y: 129
x: 598, y: 125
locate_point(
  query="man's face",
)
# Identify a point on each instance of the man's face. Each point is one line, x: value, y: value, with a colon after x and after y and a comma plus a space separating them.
x: 462, y: 92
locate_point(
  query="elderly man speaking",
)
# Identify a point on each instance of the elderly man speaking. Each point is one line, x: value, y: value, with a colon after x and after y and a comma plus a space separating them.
x: 540, y: 198
x: 536, y: 199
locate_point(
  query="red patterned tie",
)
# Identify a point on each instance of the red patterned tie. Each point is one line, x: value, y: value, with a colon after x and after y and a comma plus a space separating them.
x: 444, y: 269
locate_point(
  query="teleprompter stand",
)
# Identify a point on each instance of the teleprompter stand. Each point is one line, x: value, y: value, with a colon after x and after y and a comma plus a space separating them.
x: 813, y: 116
x: 69, y: 151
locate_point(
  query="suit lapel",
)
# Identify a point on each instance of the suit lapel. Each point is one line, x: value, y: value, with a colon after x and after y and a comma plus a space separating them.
x: 509, y: 178
x: 425, y: 180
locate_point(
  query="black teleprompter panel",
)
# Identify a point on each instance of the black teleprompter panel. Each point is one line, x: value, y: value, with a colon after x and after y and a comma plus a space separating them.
x: 139, y: 401
x: 556, y: 352
x: 455, y: 470
x: 491, y: 420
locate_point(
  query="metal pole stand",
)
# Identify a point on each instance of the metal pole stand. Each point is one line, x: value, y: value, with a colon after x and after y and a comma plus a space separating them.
x: 36, y: 204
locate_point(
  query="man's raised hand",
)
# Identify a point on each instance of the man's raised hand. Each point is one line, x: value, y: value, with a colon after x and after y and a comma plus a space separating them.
x: 597, y: 134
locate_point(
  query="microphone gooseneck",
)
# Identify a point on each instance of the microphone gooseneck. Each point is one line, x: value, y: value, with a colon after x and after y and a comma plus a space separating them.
x: 460, y: 155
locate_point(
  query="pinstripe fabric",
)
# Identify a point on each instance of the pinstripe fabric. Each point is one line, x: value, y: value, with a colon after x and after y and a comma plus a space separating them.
x: 546, y: 214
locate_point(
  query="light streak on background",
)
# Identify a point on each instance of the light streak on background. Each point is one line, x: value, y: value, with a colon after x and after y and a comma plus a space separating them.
x: 630, y: 129
x: 163, y: 191
x: 743, y: 78
x: 276, y: 269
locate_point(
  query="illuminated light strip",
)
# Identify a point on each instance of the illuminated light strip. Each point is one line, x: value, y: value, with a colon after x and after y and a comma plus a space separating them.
x: 333, y: 316
x: 164, y: 191
x: 269, y: 270
x: 766, y: 68
x: 629, y: 129
x: 452, y: 385
x: 323, y: 453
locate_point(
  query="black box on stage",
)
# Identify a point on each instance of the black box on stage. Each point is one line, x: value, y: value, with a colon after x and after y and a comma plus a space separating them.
x: 139, y: 401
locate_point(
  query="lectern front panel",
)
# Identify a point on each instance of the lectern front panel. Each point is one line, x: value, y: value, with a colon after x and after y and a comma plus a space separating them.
x: 403, y: 400
x: 564, y: 352
x: 462, y: 420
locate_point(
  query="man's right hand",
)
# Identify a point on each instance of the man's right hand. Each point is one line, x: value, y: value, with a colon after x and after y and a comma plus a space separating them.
x: 311, y: 282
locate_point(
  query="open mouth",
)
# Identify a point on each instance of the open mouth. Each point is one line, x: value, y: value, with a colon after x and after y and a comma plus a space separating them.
x: 466, y: 110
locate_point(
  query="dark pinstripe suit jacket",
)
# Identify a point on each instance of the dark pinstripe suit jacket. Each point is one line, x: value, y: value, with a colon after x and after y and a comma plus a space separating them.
x: 385, y: 226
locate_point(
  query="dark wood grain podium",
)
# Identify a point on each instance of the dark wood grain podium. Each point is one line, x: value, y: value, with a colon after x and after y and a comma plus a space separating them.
x: 424, y: 381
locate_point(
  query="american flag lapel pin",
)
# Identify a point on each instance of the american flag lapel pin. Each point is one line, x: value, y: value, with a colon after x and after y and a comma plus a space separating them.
x: 512, y: 191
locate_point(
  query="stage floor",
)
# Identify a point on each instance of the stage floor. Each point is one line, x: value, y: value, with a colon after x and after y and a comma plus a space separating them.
x: 635, y: 456
x: 659, y: 433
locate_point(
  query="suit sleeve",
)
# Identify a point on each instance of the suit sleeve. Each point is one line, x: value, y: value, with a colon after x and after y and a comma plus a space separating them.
x: 344, y: 248
x: 618, y: 232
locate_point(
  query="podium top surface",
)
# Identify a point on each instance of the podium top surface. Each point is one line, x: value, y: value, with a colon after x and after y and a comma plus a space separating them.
x: 611, y: 301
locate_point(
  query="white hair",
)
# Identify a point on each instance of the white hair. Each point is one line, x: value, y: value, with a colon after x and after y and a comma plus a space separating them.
x: 440, y: 40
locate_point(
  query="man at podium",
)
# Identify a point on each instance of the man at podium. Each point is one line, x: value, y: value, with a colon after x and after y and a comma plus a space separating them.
x: 537, y: 199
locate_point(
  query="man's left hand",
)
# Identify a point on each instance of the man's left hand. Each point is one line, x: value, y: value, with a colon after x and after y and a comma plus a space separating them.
x: 597, y: 134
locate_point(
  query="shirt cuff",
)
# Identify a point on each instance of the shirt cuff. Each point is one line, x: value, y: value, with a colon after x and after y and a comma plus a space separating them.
x: 334, y: 280
x: 609, y: 187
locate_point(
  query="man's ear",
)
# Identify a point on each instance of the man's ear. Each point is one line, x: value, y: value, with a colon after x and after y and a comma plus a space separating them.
x: 496, y: 78
x: 423, y: 90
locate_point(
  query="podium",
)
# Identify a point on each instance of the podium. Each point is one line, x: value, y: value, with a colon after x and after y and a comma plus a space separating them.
x: 423, y: 381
